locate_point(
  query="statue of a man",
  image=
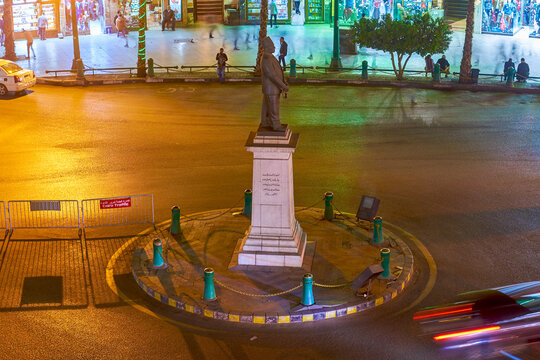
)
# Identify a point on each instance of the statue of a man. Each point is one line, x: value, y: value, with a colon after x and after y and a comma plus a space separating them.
x: 273, y: 84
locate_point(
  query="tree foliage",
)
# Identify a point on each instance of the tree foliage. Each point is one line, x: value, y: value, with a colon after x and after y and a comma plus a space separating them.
x: 417, y: 34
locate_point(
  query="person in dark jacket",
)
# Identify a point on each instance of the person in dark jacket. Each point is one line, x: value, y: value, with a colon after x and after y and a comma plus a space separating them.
x: 522, y: 71
x: 282, y: 52
x: 444, y: 65
x: 507, y: 65
x: 168, y: 18
x: 222, y: 59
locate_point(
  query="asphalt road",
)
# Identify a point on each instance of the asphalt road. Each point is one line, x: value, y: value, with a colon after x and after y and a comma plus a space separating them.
x: 459, y: 170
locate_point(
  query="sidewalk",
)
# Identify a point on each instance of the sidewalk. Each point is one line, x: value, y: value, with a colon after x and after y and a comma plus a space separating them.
x: 336, y: 253
x: 309, y: 45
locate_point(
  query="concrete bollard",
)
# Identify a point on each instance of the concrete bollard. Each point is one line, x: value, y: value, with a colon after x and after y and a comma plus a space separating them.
x: 437, y: 73
x: 510, y: 77
x: 175, y: 221
x: 209, y: 291
x: 248, y: 197
x: 385, y: 262
x: 328, y: 208
x: 364, y: 70
x: 80, y: 69
x: 307, y: 295
x: 151, y: 67
x: 158, y: 254
x: 377, y: 230
x: 292, y: 68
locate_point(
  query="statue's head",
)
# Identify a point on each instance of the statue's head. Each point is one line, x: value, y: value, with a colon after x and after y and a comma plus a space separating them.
x: 268, y: 45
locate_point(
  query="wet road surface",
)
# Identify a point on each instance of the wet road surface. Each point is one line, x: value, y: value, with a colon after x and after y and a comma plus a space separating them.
x: 459, y: 170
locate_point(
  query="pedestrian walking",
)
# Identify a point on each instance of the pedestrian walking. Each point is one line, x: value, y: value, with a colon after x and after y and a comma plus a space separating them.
x: 29, y: 42
x: 121, y: 25
x: 114, y: 22
x: 222, y: 59
x: 522, y: 71
x: 507, y: 65
x: 297, y: 6
x: 429, y: 65
x: 444, y: 65
x: 2, y: 33
x: 273, y: 13
x: 168, y: 18
x: 283, y: 52
x: 42, y: 24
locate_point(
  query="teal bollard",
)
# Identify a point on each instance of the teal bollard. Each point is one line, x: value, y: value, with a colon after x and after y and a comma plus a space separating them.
x: 328, y: 208
x: 209, y: 291
x: 364, y: 70
x: 377, y: 230
x: 158, y: 254
x: 248, y: 197
x: 175, y: 222
x: 510, y: 77
x: 437, y: 73
x: 292, y: 68
x: 385, y: 262
x: 307, y: 296
x: 151, y: 67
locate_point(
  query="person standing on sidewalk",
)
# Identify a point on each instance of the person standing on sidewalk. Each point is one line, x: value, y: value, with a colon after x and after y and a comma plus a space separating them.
x: 42, y: 24
x: 429, y: 65
x: 2, y: 35
x: 222, y: 59
x: 522, y: 71
x: 283, y: 52
x: 507, y: 65
x: 29, y: 42
x: 121, y: 25
x: 273, y: 13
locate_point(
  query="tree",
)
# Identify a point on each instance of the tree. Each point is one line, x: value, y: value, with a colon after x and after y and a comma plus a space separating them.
x: 418, y: 34
x: 8, y: 28
x: 465, y: 68
x: 262, y: 34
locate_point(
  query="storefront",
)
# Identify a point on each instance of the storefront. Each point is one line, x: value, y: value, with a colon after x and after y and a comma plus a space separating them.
x: 507, y: 17
x: 26, y: 13
x: 310, y: 11
x: 354, y: 10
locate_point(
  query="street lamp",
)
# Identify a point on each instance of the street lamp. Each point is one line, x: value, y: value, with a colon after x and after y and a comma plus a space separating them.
x: 335, y: 64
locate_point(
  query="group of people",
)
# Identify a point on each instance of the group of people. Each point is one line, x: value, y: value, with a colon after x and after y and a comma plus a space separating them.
x: 444, y: 65
x: 522, y: 73
x: 222, y: 59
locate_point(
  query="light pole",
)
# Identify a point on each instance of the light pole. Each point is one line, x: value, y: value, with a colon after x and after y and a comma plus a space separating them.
x: 76, y: 52
x: 335, y: 64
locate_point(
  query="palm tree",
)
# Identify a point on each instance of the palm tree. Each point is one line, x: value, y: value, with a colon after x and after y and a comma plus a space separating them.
x: 262, y: 34
x: 8, y: 28
x: 465, y: 69
x: 141, y: 53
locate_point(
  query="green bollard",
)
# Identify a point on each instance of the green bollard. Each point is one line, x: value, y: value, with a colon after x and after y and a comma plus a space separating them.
x: 248, y: 196
x: 151, y: 67
x: 510, y: 77
x: 377, y: 230
x: 364, y: 70
x: 437, y: 73
x: 175, y: 222
x: 292, y: 68
x: 158, y: 254
x: 328, y: 208
x: 385, y: 262
x: 209, y: 291
x: 307, y: 296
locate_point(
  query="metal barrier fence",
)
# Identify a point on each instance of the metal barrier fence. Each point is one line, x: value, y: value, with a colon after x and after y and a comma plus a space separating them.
x: 126, y: 210
x: 46, y: 214
x: 3, y: 216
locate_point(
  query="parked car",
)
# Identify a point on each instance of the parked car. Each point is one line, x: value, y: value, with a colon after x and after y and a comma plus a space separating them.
x: 481, y: 323
x: 14, y: 78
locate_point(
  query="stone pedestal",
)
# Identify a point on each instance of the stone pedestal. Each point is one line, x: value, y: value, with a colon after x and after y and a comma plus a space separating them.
x: 275, y: 238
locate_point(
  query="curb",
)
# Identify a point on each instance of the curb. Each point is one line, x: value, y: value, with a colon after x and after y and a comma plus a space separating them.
x: 297, y: 317
x: 304, y: 81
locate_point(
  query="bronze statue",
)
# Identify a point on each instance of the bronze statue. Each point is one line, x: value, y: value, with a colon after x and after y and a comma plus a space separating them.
x: 273, y: 84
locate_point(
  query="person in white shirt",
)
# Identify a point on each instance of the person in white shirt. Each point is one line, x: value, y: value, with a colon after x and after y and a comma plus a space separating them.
x: 42, y: 24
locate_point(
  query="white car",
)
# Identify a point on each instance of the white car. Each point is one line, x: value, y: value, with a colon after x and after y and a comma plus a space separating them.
x: 14, y: 78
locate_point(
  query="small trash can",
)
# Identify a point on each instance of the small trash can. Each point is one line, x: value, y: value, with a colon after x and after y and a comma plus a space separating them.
x: 474, y: 76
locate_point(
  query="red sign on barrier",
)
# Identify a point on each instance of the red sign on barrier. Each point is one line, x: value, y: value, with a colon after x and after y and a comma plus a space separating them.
x: 115, y: 203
